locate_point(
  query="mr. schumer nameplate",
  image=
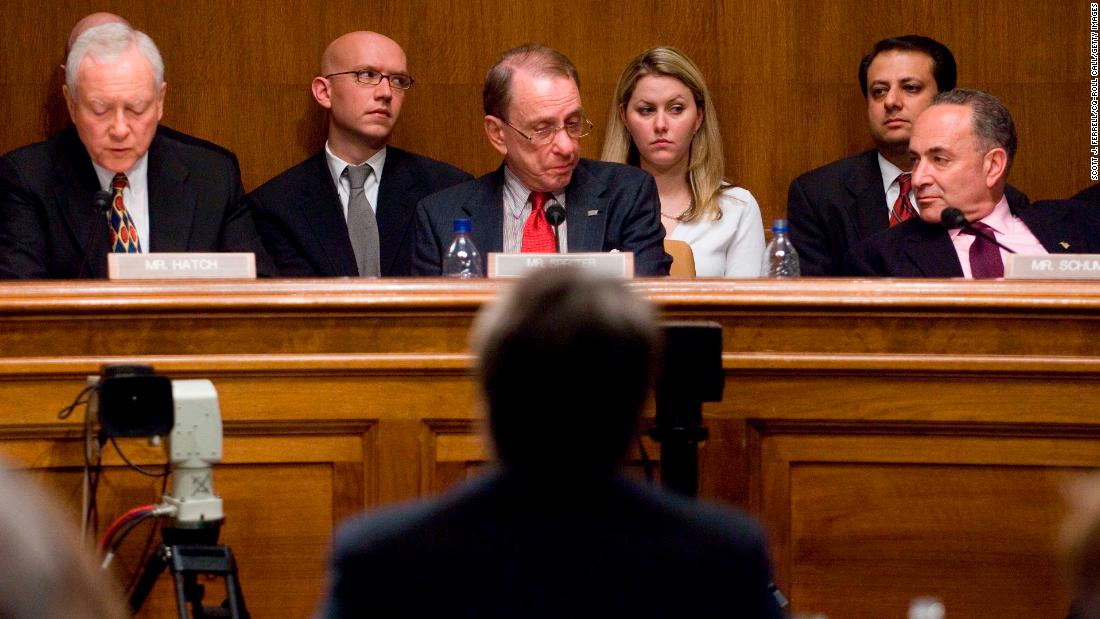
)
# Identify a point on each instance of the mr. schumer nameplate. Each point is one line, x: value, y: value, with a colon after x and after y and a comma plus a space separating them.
x: 1054, y: 266
x: 614, y: 264
x: 182, y: 266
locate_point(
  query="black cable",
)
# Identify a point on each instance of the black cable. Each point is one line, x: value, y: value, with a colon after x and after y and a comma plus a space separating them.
x: 116, y: 540
x: 77, y: 401
x: 150, y: 548
x: 136, y: 467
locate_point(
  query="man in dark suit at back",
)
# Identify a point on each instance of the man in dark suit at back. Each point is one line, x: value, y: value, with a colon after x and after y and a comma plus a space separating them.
x: 167, y: 195
x: 556, y: 530
x: 838, y: 205
x: 963, y: 146
x: 348, y: 210
x: 534, y: 118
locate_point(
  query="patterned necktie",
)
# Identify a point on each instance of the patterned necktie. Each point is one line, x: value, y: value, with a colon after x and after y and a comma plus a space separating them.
x: 903, y: 208
x: 538, y: 236
x: 985, y: 257
x: 124, y: 236
x: 362, y: 224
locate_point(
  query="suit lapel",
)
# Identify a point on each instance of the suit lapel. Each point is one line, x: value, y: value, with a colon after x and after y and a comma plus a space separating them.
x: 585, y: 211
x: 319, y: 206
x: 929, y: 249
x: 172, y: 200
x: 868, y: 205
x: 1056, y: 236
x: 486, y: 210
x: 74, y: 196
x: 396, y: 207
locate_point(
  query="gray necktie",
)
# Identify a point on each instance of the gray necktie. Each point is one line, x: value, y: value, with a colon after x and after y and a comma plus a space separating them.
x: 362, y: 225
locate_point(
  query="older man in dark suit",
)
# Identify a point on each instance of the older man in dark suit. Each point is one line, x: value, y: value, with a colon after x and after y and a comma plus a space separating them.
x: 168, y: 195
x: 348, y: 210
x: 534, y: 118
x: 840, y: 204
x: 963, y: 146
x: 557, y: 530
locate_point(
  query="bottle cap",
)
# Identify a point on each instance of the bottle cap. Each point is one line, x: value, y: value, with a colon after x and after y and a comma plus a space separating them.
x: 780, y: 226
x: 462, y: 225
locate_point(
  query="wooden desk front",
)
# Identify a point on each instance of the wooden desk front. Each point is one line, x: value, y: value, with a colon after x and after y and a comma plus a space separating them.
x: 898, y: 438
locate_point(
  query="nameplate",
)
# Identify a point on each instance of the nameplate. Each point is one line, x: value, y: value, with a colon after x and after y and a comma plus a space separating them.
x: 182, y: 266
x: 614, y: 264
x: 1053, y: 266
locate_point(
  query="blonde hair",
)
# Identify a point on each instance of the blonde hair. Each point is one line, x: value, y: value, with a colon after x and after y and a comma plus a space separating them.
x: 706, y: 164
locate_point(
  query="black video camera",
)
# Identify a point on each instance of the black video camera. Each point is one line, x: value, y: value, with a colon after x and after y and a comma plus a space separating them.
x: 135, y: 401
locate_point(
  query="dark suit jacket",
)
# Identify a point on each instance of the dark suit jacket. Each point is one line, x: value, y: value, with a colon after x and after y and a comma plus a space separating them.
x: 48, y: 224
x: 1090, y: 194
x: 608, y: 206
x: 504, y: 546
x: 837, y: 206
x: 917, y: 249
x: 302, y: 223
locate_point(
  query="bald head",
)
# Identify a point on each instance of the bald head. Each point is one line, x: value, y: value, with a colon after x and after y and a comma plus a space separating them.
x: 91, y: 21
x: 343, y: 53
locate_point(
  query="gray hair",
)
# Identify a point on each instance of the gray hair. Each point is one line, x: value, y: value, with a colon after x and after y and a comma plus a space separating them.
x: 106, y: 44
x: 992, y: 122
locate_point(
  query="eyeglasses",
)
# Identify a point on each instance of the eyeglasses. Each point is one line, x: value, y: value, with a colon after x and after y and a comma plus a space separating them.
x: 370, y: 77
x: 576, y: 130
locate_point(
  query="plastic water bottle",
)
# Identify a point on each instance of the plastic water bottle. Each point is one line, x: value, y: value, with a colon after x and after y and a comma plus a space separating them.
x: 926, y: 608
x: 462, y: 258
x: 780, y: 259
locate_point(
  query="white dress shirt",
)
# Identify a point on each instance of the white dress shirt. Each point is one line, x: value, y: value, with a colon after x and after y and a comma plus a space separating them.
x: 732, y: 246
x: 890, y: 185
x: 336, y: 167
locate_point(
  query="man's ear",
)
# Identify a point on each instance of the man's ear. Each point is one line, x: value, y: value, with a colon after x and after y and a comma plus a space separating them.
x: 69, y: 102
x: 320, y: 90
x: 996, y: 166
x: 494, y: 130
x: 160, y: 100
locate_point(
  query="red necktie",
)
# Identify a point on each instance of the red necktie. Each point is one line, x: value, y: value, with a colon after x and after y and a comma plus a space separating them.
x: 124, y: 236
x: 985, y: 257
x: 903, y: 209
x: 538, y: 236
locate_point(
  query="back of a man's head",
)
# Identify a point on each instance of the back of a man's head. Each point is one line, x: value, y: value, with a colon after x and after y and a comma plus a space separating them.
x: 565, y: 360
x: 44, y: 570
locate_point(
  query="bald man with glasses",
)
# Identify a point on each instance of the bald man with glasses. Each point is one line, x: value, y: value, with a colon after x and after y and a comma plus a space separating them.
x: 534, y: 119
x: 348, y: 210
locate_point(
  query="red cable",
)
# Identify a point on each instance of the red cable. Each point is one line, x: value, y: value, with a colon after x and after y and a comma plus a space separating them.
x: 120, y: 521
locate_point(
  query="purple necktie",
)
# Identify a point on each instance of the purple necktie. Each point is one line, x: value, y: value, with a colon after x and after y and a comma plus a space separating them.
x: 985, y: 257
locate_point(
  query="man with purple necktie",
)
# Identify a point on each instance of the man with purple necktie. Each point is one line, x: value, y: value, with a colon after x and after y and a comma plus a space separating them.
x: 963, y: 146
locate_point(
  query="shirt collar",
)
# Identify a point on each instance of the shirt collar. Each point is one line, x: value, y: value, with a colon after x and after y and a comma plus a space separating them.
x: 520, y: 193
x: 135, y: 177
x: 1000, y: 219
x: 336, y: 165
x: 889, y: 171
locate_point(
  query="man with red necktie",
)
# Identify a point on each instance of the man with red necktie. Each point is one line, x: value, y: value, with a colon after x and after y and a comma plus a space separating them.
x: 534, y: 118
x: 834, y: 207
x: 963, y: 146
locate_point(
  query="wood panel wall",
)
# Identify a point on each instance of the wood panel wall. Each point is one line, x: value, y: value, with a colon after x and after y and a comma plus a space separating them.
x: 897, y: 438
x: 783, y: 73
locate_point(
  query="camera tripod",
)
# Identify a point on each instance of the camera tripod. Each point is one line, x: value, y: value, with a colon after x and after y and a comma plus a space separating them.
x: 187, y: 553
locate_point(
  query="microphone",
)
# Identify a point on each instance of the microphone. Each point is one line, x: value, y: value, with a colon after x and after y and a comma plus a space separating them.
x: 101, y: 201
x: 952, y: 217
x: 555, y: 216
